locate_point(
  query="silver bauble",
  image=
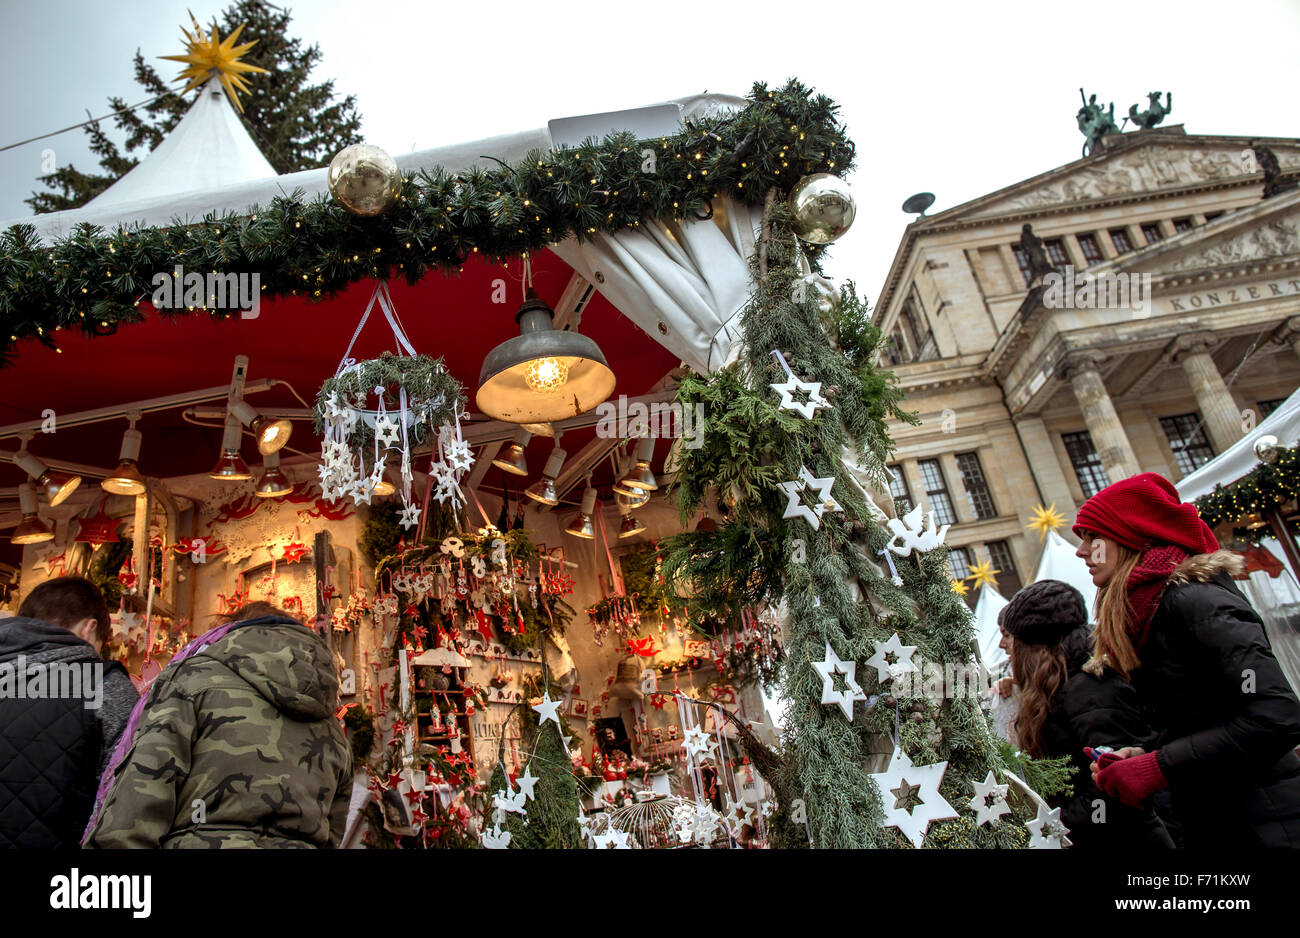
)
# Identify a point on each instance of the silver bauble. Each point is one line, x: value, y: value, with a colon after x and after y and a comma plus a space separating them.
x: 1266, y: 448
x: 364, y: 179
x: 821, y: 208
x: 827, y: 296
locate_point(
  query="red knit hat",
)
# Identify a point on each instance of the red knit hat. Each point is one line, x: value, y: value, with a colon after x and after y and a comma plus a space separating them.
x: 1142, y: 511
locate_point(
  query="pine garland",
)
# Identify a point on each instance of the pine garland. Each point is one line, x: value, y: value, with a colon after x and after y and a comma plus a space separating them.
x: 433, y: 396
x: 1263, y: 489
x: 94, y: 280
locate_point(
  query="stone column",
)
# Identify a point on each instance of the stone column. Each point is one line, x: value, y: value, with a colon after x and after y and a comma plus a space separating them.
x: 1219, y: 413
x: 1108, y: 436
x: 1043, y: 463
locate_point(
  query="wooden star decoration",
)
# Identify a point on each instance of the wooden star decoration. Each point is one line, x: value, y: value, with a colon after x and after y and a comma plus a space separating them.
x: 990, y: 801
x: 1044, y: 520
x: 1046, y: 832
x: 921, y: 782
x: 902, y: 655
x: 547, y: 709
x: 791, y: 386
x: 794, y: 506
x: 388, y: 432
x: 410, y: 516
x: 830, y: 666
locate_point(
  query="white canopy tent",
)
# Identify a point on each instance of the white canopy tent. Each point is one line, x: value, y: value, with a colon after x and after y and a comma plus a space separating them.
x: 1058, y: 562
x: 1239, y: 459
x: 987, y: 633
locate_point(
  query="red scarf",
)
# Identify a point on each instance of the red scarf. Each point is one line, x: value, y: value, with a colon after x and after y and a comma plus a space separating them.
x: 1146, y: 585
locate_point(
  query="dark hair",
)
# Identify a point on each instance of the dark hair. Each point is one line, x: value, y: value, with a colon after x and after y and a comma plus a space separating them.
x: 255, y: 610
x: 67, y: 600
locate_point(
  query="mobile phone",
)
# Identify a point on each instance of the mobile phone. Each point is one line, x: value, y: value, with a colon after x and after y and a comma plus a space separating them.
x: 1099, y: 751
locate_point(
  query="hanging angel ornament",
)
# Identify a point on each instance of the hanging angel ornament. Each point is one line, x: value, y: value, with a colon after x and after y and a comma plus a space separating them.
x: 909, y: 536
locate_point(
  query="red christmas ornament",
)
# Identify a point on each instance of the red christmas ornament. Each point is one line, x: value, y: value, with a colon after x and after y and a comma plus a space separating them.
x: 295, y: 551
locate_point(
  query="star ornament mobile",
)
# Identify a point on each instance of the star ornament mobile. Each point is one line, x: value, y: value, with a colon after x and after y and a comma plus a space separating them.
x: 208, y: 56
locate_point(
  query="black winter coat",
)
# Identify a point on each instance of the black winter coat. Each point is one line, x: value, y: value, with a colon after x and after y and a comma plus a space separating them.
x: 1228, y: 721
x: 1092, y: 711
x: 52, y: 746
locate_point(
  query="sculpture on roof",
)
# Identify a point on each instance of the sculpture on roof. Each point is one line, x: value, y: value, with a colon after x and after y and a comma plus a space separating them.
x: 1095, y: 122
x: 1275, y: 182
x: 1032, y: 246
x: 1155, y: 112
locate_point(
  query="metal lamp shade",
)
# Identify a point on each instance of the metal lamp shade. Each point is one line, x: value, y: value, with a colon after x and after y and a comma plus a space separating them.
x: 631, y: 525
x: 230, y: 465
x: 504, y: 392
x: 543, y: 490
x: 273, y: 483
x: 584, y: 526
x: 511, y: 459
x: 56, y: 485
x: 31, y: 529
x: 271, y: 434
x: 126, y: 478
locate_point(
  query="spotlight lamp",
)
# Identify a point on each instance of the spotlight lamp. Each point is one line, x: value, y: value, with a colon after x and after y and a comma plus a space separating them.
x: 641, y: 478
x: 511, y: 457
x: 56, y: 485
x: 31, y: 529
x: 271, y: 434
x: 584, y: 526
x: 273, y: 483
x: 126, y: 478
x: 230, y: 465
x: 543, y: 490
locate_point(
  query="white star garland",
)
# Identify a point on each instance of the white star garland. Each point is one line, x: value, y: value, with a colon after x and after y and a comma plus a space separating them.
x: 410, y: 516
x: 388, y: 432
x: 902, y: 777
x: 794, y: 506
x: 830, y: 666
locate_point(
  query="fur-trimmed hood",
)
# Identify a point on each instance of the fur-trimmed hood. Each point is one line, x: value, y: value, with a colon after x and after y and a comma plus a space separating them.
x: 1201, y: 568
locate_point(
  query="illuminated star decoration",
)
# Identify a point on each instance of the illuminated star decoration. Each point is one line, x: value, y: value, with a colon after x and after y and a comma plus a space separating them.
x: 205, y: 56
x: 902, y: 663
x: 1046, y: 832
x: 796, y: 509
x: 546, y: 710
x: 986, y: 813
x: 983, y: 573
x: 1044, y: 520
x: 960, y: 588
x: 831, y: 666
x: 902, y: 782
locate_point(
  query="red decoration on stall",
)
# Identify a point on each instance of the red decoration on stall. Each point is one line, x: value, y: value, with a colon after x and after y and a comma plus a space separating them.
x: 238, y: 509
x: 100, y: 529
x: 295, y: 551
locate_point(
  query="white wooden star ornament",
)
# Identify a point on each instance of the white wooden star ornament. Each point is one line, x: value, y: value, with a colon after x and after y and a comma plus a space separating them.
x: 902, y: 658
x: 990, y: 801
x: 831, y: 666
x: 547, y: 709
x: 388, y: 432
x: 526, y: 783
x: 410, y: 516
x: 901, y: 784
x: 795, y: 508
x: 698, y: 744
x: 792, y: 385
x: 1046, y: 832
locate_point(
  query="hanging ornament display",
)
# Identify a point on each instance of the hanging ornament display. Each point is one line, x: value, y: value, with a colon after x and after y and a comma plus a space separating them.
x: 910, y: 795
x: 828, y: 667
x: 496, y: 839
x: 821, y: 208
x: 795, y: 508
x: 411, y: 394
x: 990, y: 801
x: 792, y: 386
x: 364, y: 179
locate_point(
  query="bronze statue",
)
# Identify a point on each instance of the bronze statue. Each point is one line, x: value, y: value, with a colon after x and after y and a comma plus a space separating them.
x: 1155, y: 112
x: 1032, y: 247
x: 1274, y: 182
x: 1094, y: 122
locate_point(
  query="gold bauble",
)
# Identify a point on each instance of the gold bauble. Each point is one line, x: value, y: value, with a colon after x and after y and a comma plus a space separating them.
x: 364, y: 179
x: 821, y: 208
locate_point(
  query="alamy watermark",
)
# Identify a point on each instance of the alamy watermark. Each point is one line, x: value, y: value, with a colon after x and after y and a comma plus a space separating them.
x: 78, y: 890
x: 178, y: 289
x: 627, y: 419
x: 1063, y: 290
x: 53, y: 680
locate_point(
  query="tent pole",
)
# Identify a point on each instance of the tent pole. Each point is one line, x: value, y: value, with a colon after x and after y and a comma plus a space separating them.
x: 1283, y: 535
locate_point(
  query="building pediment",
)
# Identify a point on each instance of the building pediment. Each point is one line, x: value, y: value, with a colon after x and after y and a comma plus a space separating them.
x: 1148, y: 162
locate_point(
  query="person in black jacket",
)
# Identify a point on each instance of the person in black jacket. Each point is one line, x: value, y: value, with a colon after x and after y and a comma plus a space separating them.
x: 1172, y: 621
x: 1064, y: 710
x: 62, y: 709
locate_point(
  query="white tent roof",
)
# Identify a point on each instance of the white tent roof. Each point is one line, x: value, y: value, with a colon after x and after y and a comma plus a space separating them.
x: 1058, y: 562
x: 987, y: 633
x: 1239, y: 459
x: 208, y: 149
x: 208, y: 163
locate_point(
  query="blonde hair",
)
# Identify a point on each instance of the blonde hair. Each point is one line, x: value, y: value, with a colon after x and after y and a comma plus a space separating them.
x: 1111, y: 643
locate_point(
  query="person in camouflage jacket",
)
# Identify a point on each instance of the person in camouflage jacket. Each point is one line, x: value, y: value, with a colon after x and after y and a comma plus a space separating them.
x: 237, y: 746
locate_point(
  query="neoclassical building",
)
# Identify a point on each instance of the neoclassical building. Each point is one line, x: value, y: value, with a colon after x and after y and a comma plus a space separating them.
x: 1037, y: 387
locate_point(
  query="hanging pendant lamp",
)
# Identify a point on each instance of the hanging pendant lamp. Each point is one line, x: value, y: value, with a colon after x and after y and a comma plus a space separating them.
x: 273, y: 483
x: 544, y: 373
x: 126, y: 478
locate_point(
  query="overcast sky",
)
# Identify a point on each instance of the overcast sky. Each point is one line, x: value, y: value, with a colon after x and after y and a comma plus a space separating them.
x: 957, y: 98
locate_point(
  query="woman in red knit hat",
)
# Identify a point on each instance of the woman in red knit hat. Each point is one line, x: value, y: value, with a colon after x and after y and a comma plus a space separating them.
x: 1171, y: 621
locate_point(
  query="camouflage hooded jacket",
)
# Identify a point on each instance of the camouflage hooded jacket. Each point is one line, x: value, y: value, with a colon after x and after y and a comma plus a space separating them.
x: 237, y: 746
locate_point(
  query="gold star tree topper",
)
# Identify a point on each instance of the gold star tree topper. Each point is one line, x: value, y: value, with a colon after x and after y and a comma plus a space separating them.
x: 206, y: 56
x: 1045, y: 519
x: 982, y: 573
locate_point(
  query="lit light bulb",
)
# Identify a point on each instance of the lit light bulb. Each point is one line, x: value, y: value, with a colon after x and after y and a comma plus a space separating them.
x: 545, y: 375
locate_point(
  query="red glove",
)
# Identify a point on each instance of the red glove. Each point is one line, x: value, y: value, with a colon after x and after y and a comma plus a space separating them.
x: 1132, y: 780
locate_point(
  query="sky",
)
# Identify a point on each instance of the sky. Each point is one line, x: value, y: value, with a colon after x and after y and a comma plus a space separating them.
x: 958, y: 99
